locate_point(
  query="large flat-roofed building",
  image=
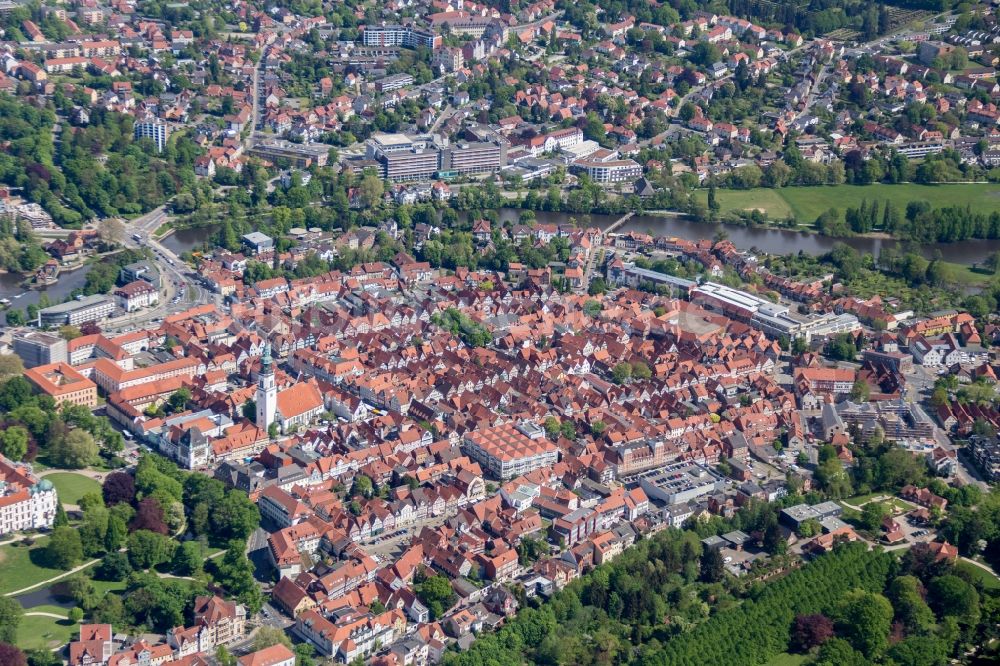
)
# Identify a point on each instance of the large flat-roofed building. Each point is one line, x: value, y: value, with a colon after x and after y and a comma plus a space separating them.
x: 794, y: 516
x: 64, y: 384
x: 399, y: 35
x: 630, y: 275
x: 393, y: 82
x: 474, y: 157
x: 74, y: 313
x: 773, y: 319
x: 511, y: 450
x: 140, y: 270
x: 257, y: 242
x: 382, y: 143
x: 611, y: 171
x: 679, y: 482
x: 38, y: 348
x: 26, y: 502
x: 298, y: 155
x: 415, y: 164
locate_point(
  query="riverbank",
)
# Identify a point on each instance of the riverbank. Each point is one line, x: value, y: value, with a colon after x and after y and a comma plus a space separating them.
x: 805, y: 204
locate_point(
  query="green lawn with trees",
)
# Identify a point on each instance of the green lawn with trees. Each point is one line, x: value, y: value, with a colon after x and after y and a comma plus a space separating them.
x: 41, y: 632
x: 24, y: 565
x: 808, y: 203
x: 72, y: 486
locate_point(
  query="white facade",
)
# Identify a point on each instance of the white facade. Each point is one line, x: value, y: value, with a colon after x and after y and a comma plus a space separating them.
x: 155, y: 130
x: 267, y: 392
x: 26, y: 502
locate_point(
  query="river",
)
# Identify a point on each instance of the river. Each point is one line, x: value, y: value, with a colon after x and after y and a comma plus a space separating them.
x: 185, y: 240
x: 771, y: 241
x: 12, y: 287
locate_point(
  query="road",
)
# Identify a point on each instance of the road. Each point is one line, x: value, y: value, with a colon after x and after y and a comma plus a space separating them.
x: 813, y: 91
x: 172, y: 274
x: 255, y: 115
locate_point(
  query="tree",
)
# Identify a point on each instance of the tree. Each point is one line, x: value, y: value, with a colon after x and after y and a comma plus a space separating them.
x: 69, y: 332
x: 898, y: 468
x: 75, y: 614
x: 712, y: 565
x: 838, y: 652
x: 641, y: 371
x: 117, y: 533
x: 223, y: 657
x: 267, y: 636
x: 148, y: 549
x: 149, y: 516
x: 925, y: 650
x: 61, y: 519
x: 114, y: 567
x: 14, y: 442
x: 118, y: 487
x: 864, y: 618
x: 906, y: 595
x: 860, y: 391
x: 436, y: 593
x: 809, y: 528
x: 111, y: 230
x: 11, y: 655
x: 952, y: 596
x: 872, y: 515
x: 235, y: 573
x: 64, y: 549
x: 10, y: 619
x: 179, y: 399
x: 10, y: 364
x: 833, y: 479
x: 621, y: 373
x: 808, y: 631
x: 370, y: 191
x: 74, y: 451
x: 188, y: 559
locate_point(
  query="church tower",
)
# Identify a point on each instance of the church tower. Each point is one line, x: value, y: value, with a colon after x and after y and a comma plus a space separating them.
x: 267, y: 391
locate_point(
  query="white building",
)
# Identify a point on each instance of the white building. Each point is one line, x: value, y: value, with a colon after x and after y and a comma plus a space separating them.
x: 26, y: 502
x: 136, y: 295
x: 267, y: 391
x: 153, y: 129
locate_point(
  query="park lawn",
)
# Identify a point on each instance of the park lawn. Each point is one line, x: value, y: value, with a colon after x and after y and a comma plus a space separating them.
x: 768, y: 201
x: 989, y: 582
x: 861, y: 500
x: 72, y: 486
x: 807, y: 203
x: 967, y: 276
x: 786, y: 659
x: 18, y: 570
x: 37, y: 632
x: 106, y: 587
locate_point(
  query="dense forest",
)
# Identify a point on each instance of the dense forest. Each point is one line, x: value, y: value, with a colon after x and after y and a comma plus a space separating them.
x: 90, y: 171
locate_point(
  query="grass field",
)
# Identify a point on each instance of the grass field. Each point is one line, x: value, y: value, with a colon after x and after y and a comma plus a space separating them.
x: 989, y: 582
x: 806, y: 203
x: 45, y: 632
x: 71, y: 486
x: 785, y: 659
x: 19, y: 566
